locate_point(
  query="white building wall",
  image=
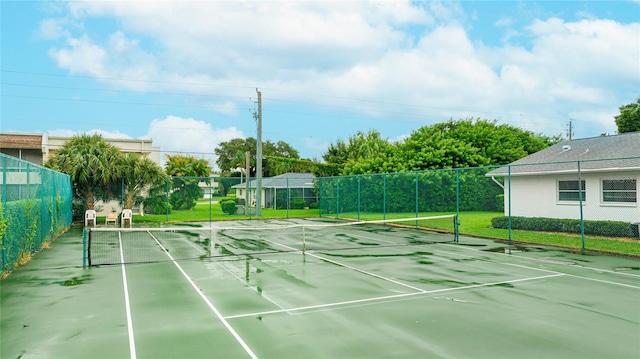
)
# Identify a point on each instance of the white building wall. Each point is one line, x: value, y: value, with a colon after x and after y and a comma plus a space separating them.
x: 537, y: 196
x: 51, y: 144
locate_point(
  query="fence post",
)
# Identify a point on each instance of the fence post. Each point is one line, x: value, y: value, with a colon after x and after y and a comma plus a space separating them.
x: 457, y: 192
x: 581, y: 207
x: 509, y: 205
x: 337, y: 197
x: 417, y: 205
x: 384, y: 196
x: 167, y: 197
x: 359, y: 177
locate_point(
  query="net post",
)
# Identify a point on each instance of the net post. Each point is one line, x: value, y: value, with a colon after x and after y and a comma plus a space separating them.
x: 88, y: 251
x: 304, y: 241
x: 84, y: 248
x: 456, y: 228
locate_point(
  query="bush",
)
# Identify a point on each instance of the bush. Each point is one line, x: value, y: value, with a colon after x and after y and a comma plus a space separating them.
x: 596, y: 228
x: 157, y: 205
x: 298, y: 203
x: 313, y: 205
x: 228, y: 205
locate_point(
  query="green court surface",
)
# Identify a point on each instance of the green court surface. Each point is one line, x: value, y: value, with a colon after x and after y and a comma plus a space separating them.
x: 472, y: 299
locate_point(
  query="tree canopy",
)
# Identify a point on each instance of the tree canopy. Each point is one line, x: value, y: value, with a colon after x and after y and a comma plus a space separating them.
x: 187, y: 172
x: 99, y: 170
x: 93, y: 164
x: 629, y: 118
x: 139, y: 173
x: 452, y: 144
x: 231, y: 155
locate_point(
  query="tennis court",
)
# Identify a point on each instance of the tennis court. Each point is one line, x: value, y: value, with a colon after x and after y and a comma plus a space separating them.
x: 282, y: 289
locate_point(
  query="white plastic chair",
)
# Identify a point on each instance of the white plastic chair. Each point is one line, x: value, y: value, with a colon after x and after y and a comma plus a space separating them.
x: 127, y: 217
x: 90, y: 217
x: 111, y: 217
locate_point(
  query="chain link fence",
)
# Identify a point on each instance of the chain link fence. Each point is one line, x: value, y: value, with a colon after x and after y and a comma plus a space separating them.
x: 579, y: 202
x: 176, y: 197
x: 35, y: 208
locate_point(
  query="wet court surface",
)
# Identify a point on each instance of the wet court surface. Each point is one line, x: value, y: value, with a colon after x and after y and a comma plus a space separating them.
x: 467, y: 300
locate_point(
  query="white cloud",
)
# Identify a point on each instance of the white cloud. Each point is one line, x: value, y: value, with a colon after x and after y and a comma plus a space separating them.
x: 190, y: 136
x: 359, y: 50
x: 105, y: 134
x: 315, y: 146
x: 81, y: 56
x: 52, y: 29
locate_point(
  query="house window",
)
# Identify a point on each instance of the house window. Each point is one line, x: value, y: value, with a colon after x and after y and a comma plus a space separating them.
x: 619, y: 190
x: 570, y: 190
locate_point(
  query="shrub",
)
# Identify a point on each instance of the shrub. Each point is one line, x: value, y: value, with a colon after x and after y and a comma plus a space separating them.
x: 229, y: 205
x: 596, y: 228
x: 157, y: 205
x: 298, y: 203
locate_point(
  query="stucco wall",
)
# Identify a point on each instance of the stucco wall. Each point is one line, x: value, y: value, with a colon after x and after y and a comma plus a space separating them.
x: 537, y: 196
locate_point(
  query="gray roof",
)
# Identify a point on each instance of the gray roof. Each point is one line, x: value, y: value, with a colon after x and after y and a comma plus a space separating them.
x: 606, y: 153
x: 286, y: 180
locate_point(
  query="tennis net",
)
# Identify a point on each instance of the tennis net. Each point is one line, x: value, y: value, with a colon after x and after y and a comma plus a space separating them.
x: 109, y: 245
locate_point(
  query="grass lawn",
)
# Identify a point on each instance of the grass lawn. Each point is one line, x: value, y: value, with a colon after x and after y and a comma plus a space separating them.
x: 471, y: 224
x: 203, y: 212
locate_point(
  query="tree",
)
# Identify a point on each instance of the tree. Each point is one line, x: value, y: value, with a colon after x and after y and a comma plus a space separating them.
x: 231, y: 155
x: 362, y: 153
x: 452, y: 144
x: 467, y: 143
x: 140, y: 174
x: 187, y: 172
x: 629, y: 118
x: 93, y: 164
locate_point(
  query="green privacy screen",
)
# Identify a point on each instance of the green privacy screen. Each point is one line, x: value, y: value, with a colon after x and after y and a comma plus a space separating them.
x: 377, y: 196
x: 35, y: 208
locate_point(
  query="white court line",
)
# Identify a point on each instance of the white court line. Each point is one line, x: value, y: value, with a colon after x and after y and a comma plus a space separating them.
x: 249, y: 285
x: 532, y: 268
x: 349, y: 267
x: 375, y: 299
x: 208, y: 302
x: 127, y: 305
x: 546, y: 270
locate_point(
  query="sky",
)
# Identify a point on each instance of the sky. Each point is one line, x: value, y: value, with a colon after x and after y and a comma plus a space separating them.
x: 186, y: 74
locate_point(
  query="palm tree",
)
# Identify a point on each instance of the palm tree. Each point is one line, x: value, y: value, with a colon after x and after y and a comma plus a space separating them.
x: 92, y: 163
x: 140, y: 173
x: 187, y: 172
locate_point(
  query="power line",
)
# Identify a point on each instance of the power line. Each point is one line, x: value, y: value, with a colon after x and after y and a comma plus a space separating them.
x: 125, y: 79
x: 113, y: 102
x: 119, y: 91
x: 472, y: 112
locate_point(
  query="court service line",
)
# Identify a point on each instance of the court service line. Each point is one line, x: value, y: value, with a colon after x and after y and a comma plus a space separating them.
x: 208, y: 302
x: 395, y: 296
x: 547, y: 270
x: 127, y: 304
x: 249, y: 285
x: 349, y: 267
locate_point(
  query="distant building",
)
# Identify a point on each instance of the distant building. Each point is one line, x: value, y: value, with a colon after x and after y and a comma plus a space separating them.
x: 275, y: 190
x: 38, y: 148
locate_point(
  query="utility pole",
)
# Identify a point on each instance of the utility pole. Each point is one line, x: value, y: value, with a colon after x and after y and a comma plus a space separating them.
x: 247, y: 195
x: 258, y: 117
x: 570, y: 129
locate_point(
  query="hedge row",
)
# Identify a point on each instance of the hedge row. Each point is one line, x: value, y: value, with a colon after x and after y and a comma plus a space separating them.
x: 25, y: 225
x: 596, y: 228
